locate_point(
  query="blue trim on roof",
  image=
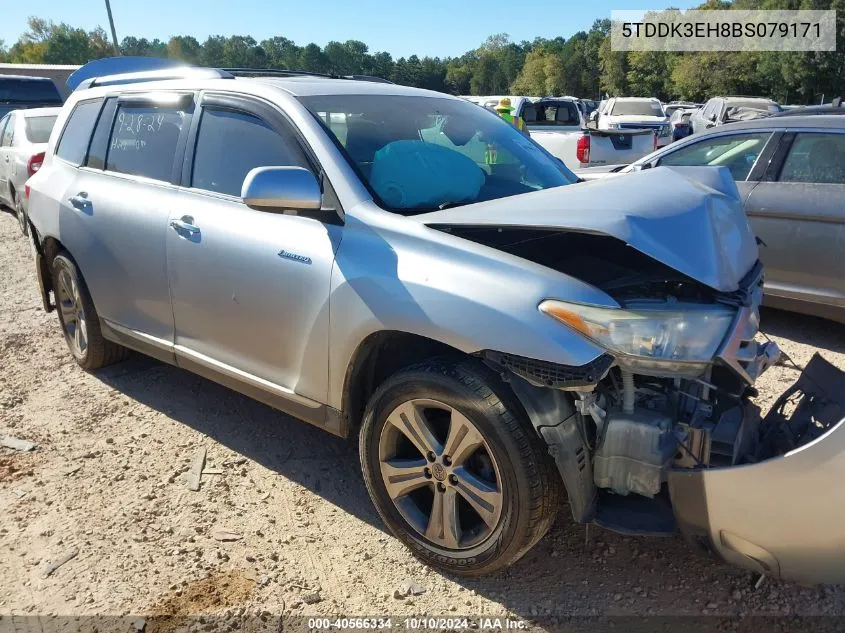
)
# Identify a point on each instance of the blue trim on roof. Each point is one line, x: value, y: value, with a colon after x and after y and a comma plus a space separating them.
x: 119, y: 66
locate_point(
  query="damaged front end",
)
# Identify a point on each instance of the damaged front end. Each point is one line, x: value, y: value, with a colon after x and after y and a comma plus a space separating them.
x: 659, y: 433
x: 671, y: 392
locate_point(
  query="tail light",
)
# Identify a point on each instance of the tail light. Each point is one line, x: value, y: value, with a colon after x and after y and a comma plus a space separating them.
x: 34, y: 163
x: 654, y: 144
x: 26, y: 190
x: 582, y: 149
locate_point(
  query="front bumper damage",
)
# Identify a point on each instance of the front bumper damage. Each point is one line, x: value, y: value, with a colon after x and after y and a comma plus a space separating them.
x: 784, y: 515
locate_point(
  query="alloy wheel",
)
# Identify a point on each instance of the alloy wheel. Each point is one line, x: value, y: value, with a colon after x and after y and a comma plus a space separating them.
x: 73, y: 313
x: 440, y: 474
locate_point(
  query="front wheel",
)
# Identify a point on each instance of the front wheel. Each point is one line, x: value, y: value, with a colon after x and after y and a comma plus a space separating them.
x: 455, y: 468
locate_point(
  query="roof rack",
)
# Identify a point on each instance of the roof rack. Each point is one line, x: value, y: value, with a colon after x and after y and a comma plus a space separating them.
x: 283, y: 72
x: 112, y: 71
x: 275, y: 72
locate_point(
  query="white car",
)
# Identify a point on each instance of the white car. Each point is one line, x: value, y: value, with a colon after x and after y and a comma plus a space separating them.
x: 23, y: 139
x: 629, y: 113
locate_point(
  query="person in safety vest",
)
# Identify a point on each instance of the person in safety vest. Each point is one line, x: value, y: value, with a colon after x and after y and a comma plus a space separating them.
x: 505, y: 111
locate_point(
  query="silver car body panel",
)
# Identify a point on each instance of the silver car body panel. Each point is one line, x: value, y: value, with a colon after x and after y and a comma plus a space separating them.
x: 781, y: 517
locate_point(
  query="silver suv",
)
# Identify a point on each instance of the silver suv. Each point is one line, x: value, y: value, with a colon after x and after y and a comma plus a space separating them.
x: 402, y: 264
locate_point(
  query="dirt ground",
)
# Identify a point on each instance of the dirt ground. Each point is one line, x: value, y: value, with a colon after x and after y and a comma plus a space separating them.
x: 108, y: 483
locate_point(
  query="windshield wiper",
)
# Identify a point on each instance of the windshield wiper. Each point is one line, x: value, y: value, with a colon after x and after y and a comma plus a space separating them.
x: 450, y: 205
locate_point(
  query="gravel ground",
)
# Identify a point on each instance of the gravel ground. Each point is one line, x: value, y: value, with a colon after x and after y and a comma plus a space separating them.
x: 109, y: 482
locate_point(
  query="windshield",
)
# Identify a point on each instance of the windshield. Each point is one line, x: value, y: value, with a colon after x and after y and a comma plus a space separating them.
x: 38, y: 128
x: 637, y: 108
x: 417, y: 154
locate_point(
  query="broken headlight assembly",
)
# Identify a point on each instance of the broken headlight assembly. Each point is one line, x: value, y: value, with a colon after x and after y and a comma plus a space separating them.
x: 645, y: 336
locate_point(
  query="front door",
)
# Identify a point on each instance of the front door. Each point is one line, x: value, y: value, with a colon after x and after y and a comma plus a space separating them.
x: 250, y: 289
x: 798, y: 213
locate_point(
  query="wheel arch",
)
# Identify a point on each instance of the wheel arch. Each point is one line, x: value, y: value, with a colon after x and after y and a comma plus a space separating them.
x: 377, y: 357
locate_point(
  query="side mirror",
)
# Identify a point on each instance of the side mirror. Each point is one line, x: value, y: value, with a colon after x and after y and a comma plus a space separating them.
x: 278, y: 189
x: 594, y: 115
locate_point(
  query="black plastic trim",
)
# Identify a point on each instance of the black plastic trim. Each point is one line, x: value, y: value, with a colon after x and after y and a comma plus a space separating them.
x: 543, y: 373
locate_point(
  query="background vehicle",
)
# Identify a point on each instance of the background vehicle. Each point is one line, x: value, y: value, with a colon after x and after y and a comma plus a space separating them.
x: 679, y: 123
x: 165, y: 210
x: 557, y: 124
x: 720, y: 110
x: 672, y: 106
x: 17, y: 93
x: 23, y: 139
x: 633, y: 113
x: 790, y: 171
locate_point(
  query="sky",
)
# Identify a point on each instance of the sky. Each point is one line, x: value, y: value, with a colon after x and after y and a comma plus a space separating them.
x: 400, y: 27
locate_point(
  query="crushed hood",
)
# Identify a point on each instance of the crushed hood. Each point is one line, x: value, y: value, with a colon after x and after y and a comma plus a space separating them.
x: 688, y: 218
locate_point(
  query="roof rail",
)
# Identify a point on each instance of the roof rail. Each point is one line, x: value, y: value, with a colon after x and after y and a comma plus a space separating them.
x: 179, y: 72
x: 283, y: 72
x: 275, y: 72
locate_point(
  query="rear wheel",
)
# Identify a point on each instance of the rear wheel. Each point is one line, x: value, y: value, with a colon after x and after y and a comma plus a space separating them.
x: 79, y: 320
x: 21, y: 213
x: 455, y: 469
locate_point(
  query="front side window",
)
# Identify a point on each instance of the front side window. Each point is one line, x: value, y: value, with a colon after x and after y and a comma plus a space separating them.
x: 8, y: 132
x: 144, y: 140
x: 38, y: 128
x: 73, y: 144
x: 418, y: 154
x: 231, y: 143
x: 815, y: 157
x: 737, y: 152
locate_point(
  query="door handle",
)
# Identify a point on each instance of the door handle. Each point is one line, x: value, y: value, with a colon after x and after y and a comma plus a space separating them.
x: 185, y: 225
x: 79, y: 201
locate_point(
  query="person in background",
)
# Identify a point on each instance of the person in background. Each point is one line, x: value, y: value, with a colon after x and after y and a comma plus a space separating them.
x: 505, y: 111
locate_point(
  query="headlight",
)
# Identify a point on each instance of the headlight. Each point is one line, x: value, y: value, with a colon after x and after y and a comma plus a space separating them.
x: 690, y: 334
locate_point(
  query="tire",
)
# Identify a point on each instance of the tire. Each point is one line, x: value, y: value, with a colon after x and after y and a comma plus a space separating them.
x: 510, y: 466
x: 79, y: 320
x: 21, y: 213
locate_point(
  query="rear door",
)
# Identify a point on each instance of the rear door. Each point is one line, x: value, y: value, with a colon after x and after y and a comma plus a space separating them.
x: 798, y: 211
x: 250, y: 288
x: 115, y: 212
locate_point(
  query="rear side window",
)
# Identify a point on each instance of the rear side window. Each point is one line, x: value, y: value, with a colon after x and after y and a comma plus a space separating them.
x: 74, y: 142
x: 144, y: 140
x: 817, y: 158
x: 231, y: 143
x: 38, y: 128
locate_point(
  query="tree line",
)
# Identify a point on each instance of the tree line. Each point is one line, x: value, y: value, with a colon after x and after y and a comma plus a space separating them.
x: 582, y: 65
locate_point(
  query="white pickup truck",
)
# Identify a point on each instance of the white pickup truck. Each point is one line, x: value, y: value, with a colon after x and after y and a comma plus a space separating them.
x: 556, y: 123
